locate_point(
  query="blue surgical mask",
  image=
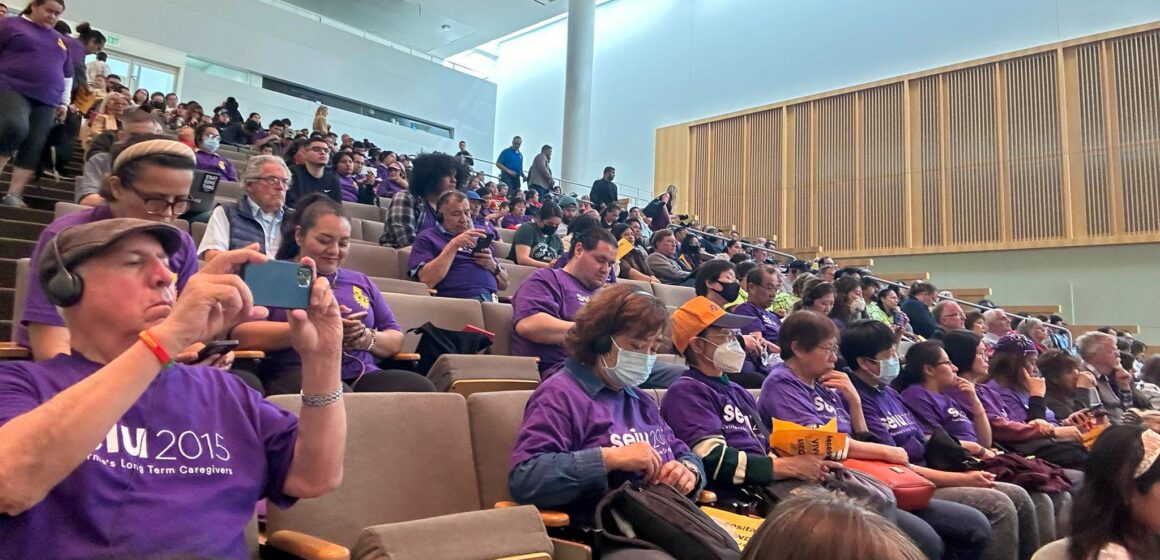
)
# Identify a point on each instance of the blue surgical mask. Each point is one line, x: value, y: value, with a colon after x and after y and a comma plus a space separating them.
x: 632, y: 368
x: 888, y: 370
x: 211, y: 144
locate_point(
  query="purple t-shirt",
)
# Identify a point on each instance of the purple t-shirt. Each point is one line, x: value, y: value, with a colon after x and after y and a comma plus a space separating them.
x: 465, y: 278
x: 34, y: 61
x: 37, y: 308
x: 177, y: 476
x: 937, y: 409
x: 764, y: 321
x: 482, y: 223
x: 349, y: 189
x: 1015, y: 403
x: 76, y: 57
x: 550, y: 291
x: 698, y: 407
x: 889, y: 420
x: 213, y: 163
x: 511, y: 221
x: 562, y: 416
x: 358, y: 292
x: 785, y: 397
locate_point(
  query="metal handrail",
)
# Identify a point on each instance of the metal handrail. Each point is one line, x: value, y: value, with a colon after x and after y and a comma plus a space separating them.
x: 743, y: 243
x: 964, y: 302
x: 637, y: 190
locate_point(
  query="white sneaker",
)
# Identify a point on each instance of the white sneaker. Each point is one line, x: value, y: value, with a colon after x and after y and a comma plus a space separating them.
x: 13, y: 200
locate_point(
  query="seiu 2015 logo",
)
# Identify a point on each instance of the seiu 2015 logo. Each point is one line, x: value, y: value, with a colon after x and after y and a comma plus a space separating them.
x: 895, y: 421
x: 821, y: 405
x: 655, y: 438
x: 168, y: 445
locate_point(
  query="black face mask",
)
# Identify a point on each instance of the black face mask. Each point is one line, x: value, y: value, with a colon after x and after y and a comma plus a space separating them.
x: 693, y: 249
x: 730, y: 290
x: 549, y: 229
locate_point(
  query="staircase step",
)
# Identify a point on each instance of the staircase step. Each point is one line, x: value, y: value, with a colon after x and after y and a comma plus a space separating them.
x: 15, y: 248
x: 7, y: 296
x: 20, y: 230
x: 7, y: 273
x: 38, y: 200
x: 27, y: 215
x: 46, y: 182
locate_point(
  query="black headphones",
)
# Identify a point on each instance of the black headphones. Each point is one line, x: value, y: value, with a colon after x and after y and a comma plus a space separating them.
x: 64, y: 289
x: 603, y: 343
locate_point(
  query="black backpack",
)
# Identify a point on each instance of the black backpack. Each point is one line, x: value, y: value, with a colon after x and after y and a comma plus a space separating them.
x: 435, y: 342
x: 657, y: 517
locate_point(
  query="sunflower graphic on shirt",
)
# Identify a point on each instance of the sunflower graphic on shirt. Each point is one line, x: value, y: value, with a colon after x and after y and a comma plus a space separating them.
x: 360, y: 297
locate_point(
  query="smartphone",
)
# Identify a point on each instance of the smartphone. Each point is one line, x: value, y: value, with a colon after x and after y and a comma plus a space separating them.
x: 482, y: 244
x: 215, y: 348
x: 279, y: 284
x: 1097, y: 410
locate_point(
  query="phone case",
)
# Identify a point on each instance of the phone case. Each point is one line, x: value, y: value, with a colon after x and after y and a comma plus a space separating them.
x: 279, y: 284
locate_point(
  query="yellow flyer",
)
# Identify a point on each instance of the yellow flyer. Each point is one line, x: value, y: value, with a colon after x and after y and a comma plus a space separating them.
x: 789, y: 438
x: 740, y: 527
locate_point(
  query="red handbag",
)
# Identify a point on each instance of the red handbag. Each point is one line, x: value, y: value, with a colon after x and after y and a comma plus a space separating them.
x: 912, y: 491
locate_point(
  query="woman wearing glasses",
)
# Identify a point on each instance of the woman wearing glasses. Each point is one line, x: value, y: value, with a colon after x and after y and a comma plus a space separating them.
x: 149, y: 180
x: 257, y: 217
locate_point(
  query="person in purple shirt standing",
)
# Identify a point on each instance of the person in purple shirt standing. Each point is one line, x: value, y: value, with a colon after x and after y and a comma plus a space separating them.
x: 588, y: 429
x: 149, y: 180
x: 58, y: 148
x: 321, y: 235
x: 208, y: 139
x: 444, y: 257
x: 36, y: 74
x: 100, y: 448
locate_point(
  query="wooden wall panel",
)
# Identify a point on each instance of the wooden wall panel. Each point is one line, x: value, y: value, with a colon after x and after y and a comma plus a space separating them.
x: 764, y: 193
x: 672, y: 163
x: 1093, y: 132
x: 1035, y: 169
x: 1051, y: 146
x: 1137, y: 78
x: 884, y: 167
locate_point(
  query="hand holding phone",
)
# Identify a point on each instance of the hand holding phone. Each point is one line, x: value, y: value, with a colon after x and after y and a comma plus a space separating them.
x: 279, y: 284
x: 483, y: 243
x: 215, y: 348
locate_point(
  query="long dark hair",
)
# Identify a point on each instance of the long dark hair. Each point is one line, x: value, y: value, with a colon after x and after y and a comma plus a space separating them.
x: 962, y: 347
x: 306, y: 213
x: 1103, y: 512
x: 842, y: 288
x: 926, y: 353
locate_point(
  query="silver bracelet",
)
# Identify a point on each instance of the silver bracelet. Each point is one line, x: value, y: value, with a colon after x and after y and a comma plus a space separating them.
x: 321, y: 400
x: 374, y: 337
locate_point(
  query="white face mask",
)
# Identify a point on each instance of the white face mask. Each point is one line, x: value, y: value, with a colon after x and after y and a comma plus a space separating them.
x: 859, y: 305
x: 632, y: 369
x: 730, y: 357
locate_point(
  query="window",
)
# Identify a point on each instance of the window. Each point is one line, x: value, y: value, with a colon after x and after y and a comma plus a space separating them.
x: 138, y: 73
x: 356, y: 107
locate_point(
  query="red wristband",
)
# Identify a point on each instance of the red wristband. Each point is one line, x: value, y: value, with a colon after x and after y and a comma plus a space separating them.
x: 155, y: 347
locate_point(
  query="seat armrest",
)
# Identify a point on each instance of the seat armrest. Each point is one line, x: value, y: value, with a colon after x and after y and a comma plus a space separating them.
x: 249, y: 354
x: 406, y: 357
x: 307, y: 547
x: 707, y: 497
x: 12, y: 351
x: 549, y: 517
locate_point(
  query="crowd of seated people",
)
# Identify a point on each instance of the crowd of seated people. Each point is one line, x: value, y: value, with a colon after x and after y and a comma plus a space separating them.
x: 820, y: 341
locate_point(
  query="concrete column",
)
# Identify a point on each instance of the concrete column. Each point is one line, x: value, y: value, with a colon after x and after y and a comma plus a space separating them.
x: 578, y: 92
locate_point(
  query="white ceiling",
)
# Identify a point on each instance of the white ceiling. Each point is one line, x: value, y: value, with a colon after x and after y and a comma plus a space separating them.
x: 418, y: 24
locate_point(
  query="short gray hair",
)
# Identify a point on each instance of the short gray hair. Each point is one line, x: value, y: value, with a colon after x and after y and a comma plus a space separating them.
x: 1028, y: 325
x: 992, y: 315
x: 1089, y: 342
x: 254, y: 165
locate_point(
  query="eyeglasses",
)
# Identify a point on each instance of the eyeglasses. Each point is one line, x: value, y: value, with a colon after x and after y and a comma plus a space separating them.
x: 156, y: 205
x: 833, y: 349
x: 318, y: 150
x: 273, y: 181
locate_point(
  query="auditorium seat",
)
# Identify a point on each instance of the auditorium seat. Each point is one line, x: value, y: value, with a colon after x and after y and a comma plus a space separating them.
x: 9, y: 350
x: 495, y: 420
x: 229, y: 189
x: 499, y: 533
x: 403, y: 265
x: 373, y: 260
x: 447, y: 313
x: 497, y: 318
x: 507, y: 235
x: 372, y: 230
x: 396, y: 286
x: 673, y: 296
x: 469, y: 374
x: 646, y: 286
x: 517, y: 273
x: 408, y: 456
x: 66, y: 208
x: 355, y: 229
x: 362, y: 212
x: 501, y: 249
x: 197, y: 231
